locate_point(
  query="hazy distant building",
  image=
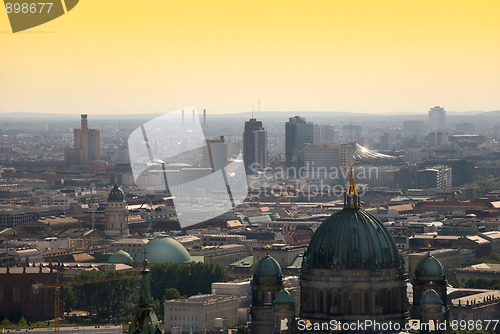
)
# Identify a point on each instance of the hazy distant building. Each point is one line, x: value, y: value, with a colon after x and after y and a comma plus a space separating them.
x: 462, y: 171
x: 298, y: 134
x: 386, y: 142
x: 325, y: 133
x: 86, y: 145
x: 413, y: 128
x: 254, y: 144
x: 437, y: 139
x: 322, y: 159
x: 351, y: 133
x: 437, y: 119
x: 215, y: 154
x: 435, y: 177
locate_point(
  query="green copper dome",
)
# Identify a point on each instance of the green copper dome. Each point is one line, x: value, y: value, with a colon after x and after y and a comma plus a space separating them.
x: 283, y: 297
x: 352, y: 239
x: 163, y: 249
x: 431, y: 297
x: 121, y: 257
x: 116, y: 194
x: 267, y: 266
x: 429, y: 266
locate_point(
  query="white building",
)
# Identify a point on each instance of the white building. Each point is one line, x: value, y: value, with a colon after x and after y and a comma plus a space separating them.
x: 201, y: 314
x: 437, y: 119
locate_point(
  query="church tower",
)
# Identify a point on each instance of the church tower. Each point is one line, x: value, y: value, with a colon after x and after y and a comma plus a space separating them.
x: 429, y: 290
x: 116, y: 213
x: 145, y: 320
x: 352, y: 269
x: 267, y: 281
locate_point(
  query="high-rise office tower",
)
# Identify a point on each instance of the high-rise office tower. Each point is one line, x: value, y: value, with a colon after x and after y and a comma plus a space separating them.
x: 254, y: 145
x: 351, y: 133
x: 215, y: 154
x: 86, y: 144
x: 298, y: 134
x: 437, y: 119
x: 325, y: 133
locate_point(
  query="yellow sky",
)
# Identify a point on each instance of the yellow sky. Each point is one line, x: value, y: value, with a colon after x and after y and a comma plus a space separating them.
x: 124, y: 56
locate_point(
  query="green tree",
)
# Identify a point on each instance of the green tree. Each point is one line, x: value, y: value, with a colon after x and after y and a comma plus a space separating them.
x: 22, y: 322
x: 188, y: 278
x: 109, y: 297
x: 69, y: 300
x: 5, y: 323
x: 482, y: 283
x: 172, y: 293
x: 242, y: 329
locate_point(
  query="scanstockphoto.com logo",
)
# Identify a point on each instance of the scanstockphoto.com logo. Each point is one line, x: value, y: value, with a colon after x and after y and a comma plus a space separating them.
x: 26, y: 14
x: 172, y: 154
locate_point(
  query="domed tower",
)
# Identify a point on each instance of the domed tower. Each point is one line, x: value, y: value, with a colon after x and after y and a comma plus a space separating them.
x: 352, y: 269
x: 429, y: 280
x: 116, y: 213
x: 267, y: 281
x: 431, y: 307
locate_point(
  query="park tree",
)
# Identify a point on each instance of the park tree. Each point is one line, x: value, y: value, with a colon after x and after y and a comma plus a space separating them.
x: 188, y: 278
x: 109, y: 297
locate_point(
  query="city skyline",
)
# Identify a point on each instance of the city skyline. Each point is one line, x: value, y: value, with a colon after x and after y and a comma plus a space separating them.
x: 363, y: 57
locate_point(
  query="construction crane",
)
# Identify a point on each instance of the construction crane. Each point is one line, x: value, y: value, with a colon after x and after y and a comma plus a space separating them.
x: 57, y: 292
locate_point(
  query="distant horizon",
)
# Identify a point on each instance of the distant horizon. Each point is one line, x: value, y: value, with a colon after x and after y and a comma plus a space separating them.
x: 256, y: 113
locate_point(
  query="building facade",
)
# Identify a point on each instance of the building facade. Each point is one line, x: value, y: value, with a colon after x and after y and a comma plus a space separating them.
x: 254, y: 145
x: 298, y: 134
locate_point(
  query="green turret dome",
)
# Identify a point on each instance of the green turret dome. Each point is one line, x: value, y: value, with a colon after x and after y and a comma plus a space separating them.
x: 428, y: 266
x: 163, y: 249
x: 116, y: 194
x: 267, y: 266
x: 121, y: 257
x: 431, y: 297
x: 283, y: 297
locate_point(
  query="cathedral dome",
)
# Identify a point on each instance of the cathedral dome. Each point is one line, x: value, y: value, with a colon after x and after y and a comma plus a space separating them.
x: 431, y: 297
x: 352, y: 239
x: 267, y: 266
x: 121, y: 257
x: 283, y: 297
x: 428, y: 266
x: 163, y: 249
x: 116, y: 194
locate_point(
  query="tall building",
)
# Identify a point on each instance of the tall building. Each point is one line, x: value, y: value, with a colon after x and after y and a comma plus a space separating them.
x: 254, y: 145
x: 273, y: 307
x: 215, y: 154
x: 435, y: 177
x: 437, y: 119
x: 325, y: 133
x: 321, y: 160
x: 116, y: 213
x: 298, y: 134
x: 351, y: 133
x: 86, y: 144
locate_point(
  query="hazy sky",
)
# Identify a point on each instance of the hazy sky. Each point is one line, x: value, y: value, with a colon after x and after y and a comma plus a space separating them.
x: 124, y: 56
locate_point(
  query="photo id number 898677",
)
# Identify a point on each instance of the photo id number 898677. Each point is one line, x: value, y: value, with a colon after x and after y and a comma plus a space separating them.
x: 29, y: 8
